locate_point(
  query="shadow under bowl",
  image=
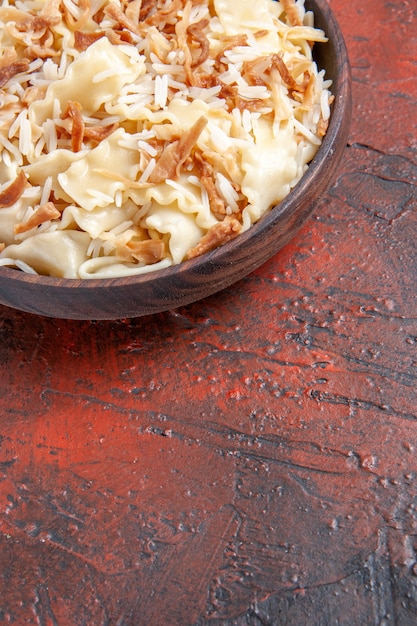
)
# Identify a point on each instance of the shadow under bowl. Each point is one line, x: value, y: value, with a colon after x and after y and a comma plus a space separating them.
x: 192, y: 280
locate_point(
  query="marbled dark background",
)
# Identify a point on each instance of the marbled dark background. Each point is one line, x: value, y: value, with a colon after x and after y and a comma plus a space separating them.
x: 249, y: 459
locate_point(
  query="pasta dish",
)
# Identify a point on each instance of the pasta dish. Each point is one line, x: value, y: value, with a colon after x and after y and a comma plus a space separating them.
x: 137, y: 134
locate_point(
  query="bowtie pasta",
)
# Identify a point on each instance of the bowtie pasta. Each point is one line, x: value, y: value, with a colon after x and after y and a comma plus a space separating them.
x: 136, y: 134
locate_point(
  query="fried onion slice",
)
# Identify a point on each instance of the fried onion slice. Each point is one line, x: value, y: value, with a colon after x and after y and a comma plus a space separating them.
x: 73, y: 111
x: 196, y: 32
x: 12, y: 193
x: 149, y: 251
x: 292, y: 12
x: 7, y: 72
x: 175, y: 154
x: 216, y: 236
x: 43, y: 213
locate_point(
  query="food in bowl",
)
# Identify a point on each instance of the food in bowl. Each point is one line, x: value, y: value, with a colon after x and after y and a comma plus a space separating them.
x: 134, y: 135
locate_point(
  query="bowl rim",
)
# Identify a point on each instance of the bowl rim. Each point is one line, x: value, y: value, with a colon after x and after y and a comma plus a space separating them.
x: 220, y: 256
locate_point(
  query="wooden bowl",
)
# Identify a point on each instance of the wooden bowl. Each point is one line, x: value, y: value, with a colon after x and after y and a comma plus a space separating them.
x: 193, y: 280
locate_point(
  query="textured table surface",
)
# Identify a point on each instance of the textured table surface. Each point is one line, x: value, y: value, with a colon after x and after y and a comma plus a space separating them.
x: 251, y: 458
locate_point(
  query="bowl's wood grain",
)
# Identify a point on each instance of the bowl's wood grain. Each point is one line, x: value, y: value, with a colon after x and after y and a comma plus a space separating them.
x: 203, y: 276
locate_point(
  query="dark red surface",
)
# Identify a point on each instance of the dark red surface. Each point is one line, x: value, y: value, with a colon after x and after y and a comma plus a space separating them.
x: 251, y: 458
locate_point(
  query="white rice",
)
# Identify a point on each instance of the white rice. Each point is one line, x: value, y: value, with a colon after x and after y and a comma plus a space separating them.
x: 300, y: 128
x: 147, y: 171
x: 206, y: 95
x: 25, y: 136
x: 146, y: 147
x: 161, y: 91
x: 179, y: 187
x: 50, y: 70
x: 219, y: 138
x: 10, y: 151
x: 24, y: 267
x: 227, y: 191
x: 100, y: 196
x: 50, y: 135
x: 46, y: 191
x: 94, y: 248
x: 118, y: 198
x: 120, y: 228
x: 254, y: 92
